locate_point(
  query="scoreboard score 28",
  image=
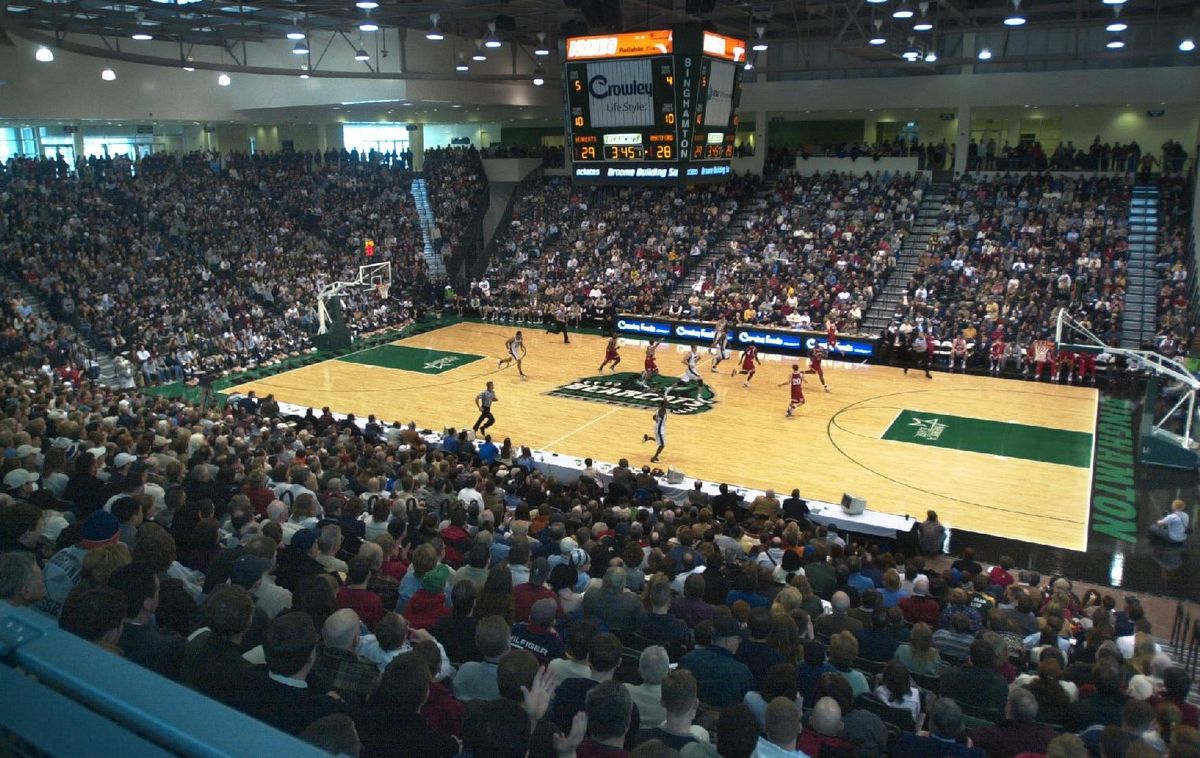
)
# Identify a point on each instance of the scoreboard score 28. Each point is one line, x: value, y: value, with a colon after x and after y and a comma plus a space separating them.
x: 655, y: 107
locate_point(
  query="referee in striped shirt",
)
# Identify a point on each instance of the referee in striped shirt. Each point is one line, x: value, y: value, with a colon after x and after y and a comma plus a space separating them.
x: 483, y: 401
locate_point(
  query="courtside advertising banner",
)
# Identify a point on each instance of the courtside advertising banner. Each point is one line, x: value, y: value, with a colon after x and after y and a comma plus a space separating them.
x: 768, y: 340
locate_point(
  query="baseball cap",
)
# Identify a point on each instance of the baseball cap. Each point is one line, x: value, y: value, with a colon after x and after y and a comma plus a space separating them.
x: 18, y: 478
x: 304, y: 539
x: 248, y: 569
x: 123, y: 459
x: 26, y: 450
x: 539, y: 570
x: 98, y: 452
x: 100, y: 529
x: 435, y: 579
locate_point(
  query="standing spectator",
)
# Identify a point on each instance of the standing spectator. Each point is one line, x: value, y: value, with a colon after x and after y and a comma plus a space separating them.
x: 931, y: 534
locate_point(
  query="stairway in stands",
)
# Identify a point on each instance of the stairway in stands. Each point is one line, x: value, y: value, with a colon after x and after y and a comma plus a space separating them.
x: 1140, y: 318
x: 881, y: 311
x: 698, y: 268
x: 420, y: 193
x: 12, y: 288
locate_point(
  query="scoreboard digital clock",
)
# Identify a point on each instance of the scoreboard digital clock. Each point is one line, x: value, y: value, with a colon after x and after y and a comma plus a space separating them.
x: 655, y: 107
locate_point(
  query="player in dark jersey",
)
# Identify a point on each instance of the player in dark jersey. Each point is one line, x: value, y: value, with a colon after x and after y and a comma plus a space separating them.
x: 814, y: 364
x: 660, y: 429
x: 610, y: 354
x: 796, y: 380
x: 720, y: 347
x: 749, y: 364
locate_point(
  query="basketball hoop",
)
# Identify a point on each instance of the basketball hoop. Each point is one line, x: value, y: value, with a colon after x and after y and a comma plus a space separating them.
x: 383, y: 288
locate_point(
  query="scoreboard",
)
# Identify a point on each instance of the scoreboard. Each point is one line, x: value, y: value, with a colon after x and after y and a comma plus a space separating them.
x: 654, y: 107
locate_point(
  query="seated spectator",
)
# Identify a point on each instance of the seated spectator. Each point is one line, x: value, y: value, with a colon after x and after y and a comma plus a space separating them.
x: 680, y: 703
x: 612, y: 603
x: 609, y: 718
x: 281, y: 696
x: 356, y: 596
x: 843, y: 650
x: 653, y: 667
x: 877, y: 642
x: 781, y: 732
x: 1018, y: 733
x: 538, y: 635
x: 955, y: 642
x: 21, y: 581
x: 525, y: 595
x: 780, y: 681
x: 506, y: 725
x: 393, y: 636
x: 1051, y: 692
x: 1103, y: 707
x: 142, y: 641
x: 862, y: 728
x: 298, y: 560
x: 656, y: 623
x: 428, y: 604
x: 823, y: 735
x: 758, y: 655
x: 390, y: 723
x: 811, y: 669
x: 212, y: 661
x: 339, y: 667
x: 945, y: 725
x: 456, y: 632
x: 1136, y: 727
x: 919, y: 655
x: 898, y: 691
x: 690, y: 607
x: 604, y: 655
x: 97, y: 615
x: 476, y: 680
x: 919, y: 607
x: 829, y: 624
x: 443, y: 712
x: 977, y: 684
x: 1176, y: 684
x: 721, y: 678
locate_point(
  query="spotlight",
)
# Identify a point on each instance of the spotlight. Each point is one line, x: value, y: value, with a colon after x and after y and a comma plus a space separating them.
x: 108, y: 75
x: 541, y: 49
x: 224, y: 80
x: 985, y: 54
x: 44, y: 55
x: 434, y: 34
x: 877, y: 38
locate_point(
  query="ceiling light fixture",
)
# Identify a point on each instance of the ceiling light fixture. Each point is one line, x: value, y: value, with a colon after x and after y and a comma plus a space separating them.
x: 749, y: 65
x: 923, y: 24
x: 366, y: 5
x: 876, y: 2
x: 985, y: 54
x: 368, y: 25
x: 300, y: 48
x: 1187, y: 45
x: 303, y: 75
x: 224, y: 80
x: 361, y: 55
x: 479, y: 57
x: 1116, y: 26
x: 186, y: 61
x: 141, y: 36
x: 878, y: 38
x: 295, y: 33
x: 1114, y: 2
x: 539, y: 77
x: 44, y: 55
x: 108, y: 75
x: 760, y: 44
x: 1016, y: 18
x: 931, y: 57
x: 903, y: 11
x: 434, y: 34
x: 1115, y: 43
x: 492, y: 40
x: 541, y: 49
x: 462, y: 63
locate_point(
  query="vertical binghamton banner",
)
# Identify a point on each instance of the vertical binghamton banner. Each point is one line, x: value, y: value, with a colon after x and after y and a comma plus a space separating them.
x: 621, y: 93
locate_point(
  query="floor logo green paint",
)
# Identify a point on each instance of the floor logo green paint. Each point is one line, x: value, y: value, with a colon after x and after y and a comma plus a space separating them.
x: 421, y: 360
x: 626, y: 389
x: 1001, y: 438
x: 1114, y: 510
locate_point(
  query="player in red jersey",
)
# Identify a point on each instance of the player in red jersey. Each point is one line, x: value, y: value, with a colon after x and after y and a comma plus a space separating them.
x: 651, y: 366
x: 814, y: 364
x: 797, y: 382
x: 749, y: 364
x: 958, y: 353
x: 610, y: 355
x: 1043, y: 357
x: 1085, y: 365
x: 996, y: 356
x: 1063, y: 359
x: 830, y: 336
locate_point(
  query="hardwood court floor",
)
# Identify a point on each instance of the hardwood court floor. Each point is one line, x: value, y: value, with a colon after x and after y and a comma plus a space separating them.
x: 1002, y: 457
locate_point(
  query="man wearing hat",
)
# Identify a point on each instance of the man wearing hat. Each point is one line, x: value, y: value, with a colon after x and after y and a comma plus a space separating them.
x: 526, y: 595
x: 64, y: 569
x: 298, y: 560
x: 538, y: 635
x: 21, y: 483
x: 720, y: 677
x: 428, y: 604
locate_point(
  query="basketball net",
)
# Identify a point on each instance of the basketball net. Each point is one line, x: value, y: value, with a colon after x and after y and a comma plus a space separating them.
x: 383, y: 288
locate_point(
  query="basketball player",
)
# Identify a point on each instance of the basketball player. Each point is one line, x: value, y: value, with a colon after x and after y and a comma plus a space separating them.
x: 720, y: 346
x: 996, y: 357
x: 1043, y: 357
x: 515, y: 347
x: 483, y: 401
x: 1085, y: 365
x: 749, y: 363
x: 830, y: 336
x: 660, y: 429
x: 690, y: 371
x: 611, y: 355
x: 797, y: 382
x: 958, y: 353
x: 814, y: 365
x: 651, y: 366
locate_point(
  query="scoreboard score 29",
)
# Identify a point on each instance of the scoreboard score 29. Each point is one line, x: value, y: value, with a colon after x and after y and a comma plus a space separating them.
x: 655, y: 107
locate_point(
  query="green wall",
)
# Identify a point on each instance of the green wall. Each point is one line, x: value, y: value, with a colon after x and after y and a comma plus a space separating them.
x: 527, y: 136
x: 798, y: 133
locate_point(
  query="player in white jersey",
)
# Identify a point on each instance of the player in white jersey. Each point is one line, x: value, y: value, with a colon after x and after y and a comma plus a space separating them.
x: 515, y: 347
x: 660, y: 429
x: 691, y: 372
x: 720, y: 346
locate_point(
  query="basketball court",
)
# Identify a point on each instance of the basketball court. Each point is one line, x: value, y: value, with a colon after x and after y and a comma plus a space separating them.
x: 1007, y: 458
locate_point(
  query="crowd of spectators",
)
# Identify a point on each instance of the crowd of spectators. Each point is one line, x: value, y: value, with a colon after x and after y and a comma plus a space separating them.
x: 817, y: 249
x: 1175, y: 331
x: 930, y: 156
x: 457, y: 191
x: 421, y: 597
x: 203, y: 263
x: 593, y: 249
x: 1010, y: 251
x: 1104, y: 157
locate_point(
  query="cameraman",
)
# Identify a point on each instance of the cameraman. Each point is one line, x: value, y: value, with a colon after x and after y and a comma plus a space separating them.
x: 1173, y: 527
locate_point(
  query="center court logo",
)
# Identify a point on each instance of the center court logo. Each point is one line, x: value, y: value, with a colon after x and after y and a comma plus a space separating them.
x: 623, y: 389
x: 927, y: 428
x: 441, y: 364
